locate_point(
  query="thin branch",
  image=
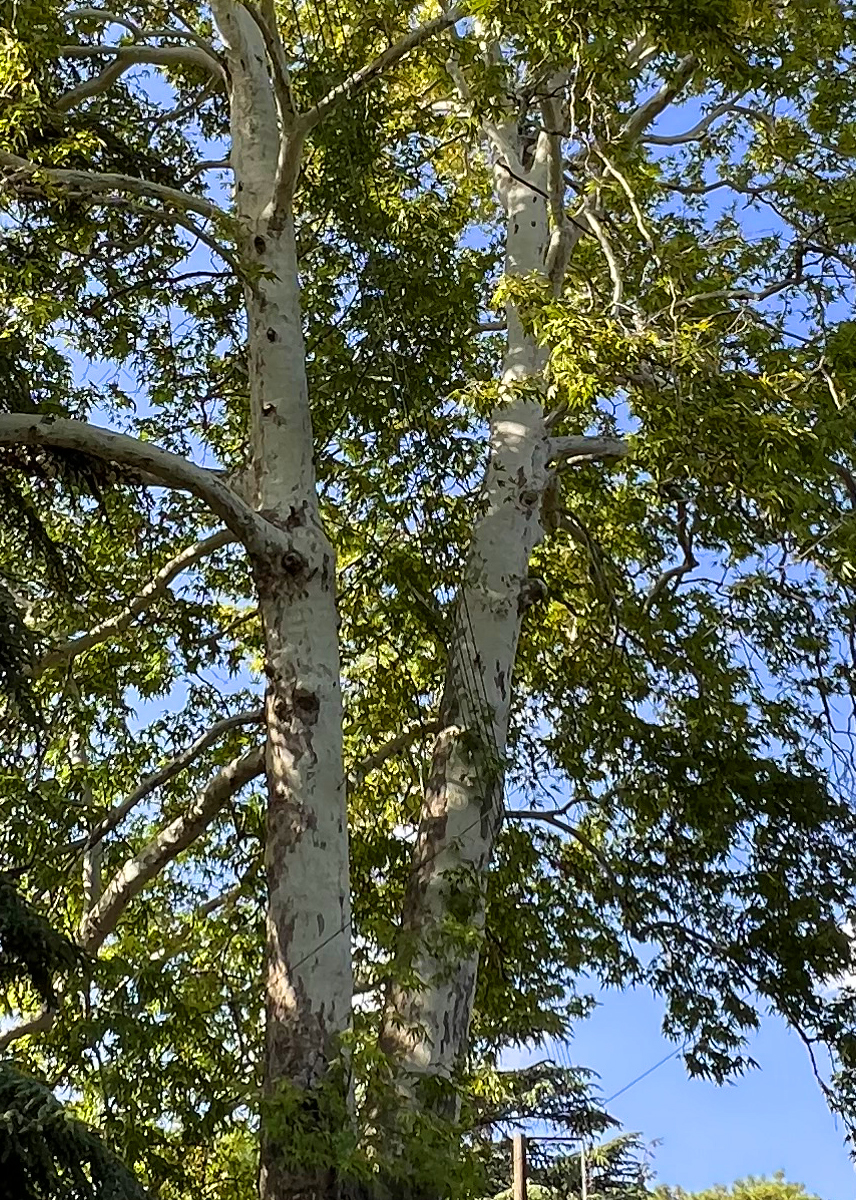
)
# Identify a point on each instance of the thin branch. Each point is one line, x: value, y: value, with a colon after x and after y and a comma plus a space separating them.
x: 176, y: 837
x: 390, y: 56
x: 611, y: 262
x: 690, y: 562
x: 743, y: 293
x: 401, y: 741
x: 575, y: 448
x: 548, y: 818
x: 612, y: 170
x: 104, y: 16
x: 150, y: 593
x: 208, y: 164
x: 96, y: 182
x: 169, y: 470
x: 650, y: 109
x: 164, y: 774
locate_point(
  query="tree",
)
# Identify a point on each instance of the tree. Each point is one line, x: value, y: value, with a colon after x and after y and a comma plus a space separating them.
x: 751, y: 1188
x: 272, y: 438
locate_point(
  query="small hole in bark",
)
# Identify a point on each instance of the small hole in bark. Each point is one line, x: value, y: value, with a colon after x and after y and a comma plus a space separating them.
x: 260, y: 244
x: 292, y: 563
x: 271, y: 335
x: 243, y: 65
x: 307, y: 705
x: 516, y: 227
x: 534, y: 223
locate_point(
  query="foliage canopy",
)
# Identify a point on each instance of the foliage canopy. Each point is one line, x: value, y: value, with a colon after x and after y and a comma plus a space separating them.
x: 678, y: 759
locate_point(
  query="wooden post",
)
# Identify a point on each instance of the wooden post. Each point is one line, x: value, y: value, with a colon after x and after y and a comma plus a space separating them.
x: 519, y: 1165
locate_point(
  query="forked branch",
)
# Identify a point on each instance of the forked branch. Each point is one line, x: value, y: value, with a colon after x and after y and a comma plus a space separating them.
x: 138, y: 871
x: 114, y: 626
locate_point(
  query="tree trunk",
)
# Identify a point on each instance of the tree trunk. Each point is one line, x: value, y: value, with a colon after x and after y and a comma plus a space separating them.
x: 308, y: 983
x: 426, y: 1028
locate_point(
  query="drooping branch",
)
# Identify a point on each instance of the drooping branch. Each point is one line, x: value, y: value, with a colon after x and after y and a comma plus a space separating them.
x: 689, y: 563
x: 552, y: 819
x: 165, y: 773
x: 138, y: 871
x: 159, y: 466
x: 98, y: 183
x: 149, y: 594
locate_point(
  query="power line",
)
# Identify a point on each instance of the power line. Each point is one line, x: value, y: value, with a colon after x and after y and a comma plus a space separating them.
x: 637, y: 1079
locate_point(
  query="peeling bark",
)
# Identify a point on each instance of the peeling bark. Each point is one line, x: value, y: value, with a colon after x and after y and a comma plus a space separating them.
x: 426, y: 1028
x: 308, y: 982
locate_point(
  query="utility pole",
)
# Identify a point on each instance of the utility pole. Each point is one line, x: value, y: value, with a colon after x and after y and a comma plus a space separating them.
x: 583, y: 1172
x: 519, y: 1166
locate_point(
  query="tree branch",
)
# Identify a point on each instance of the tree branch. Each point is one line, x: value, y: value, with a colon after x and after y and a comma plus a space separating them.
x: 164, y: 774
x: 700, y: 129
x: 159, y: 56
x: 575, y: 448
x: 685, y: 541
x: 285, y: 101
x: 96, y: 182
x: 650, y: 109
x: 371, y: 762
x: 388, y: 58
x: 169, y: 470
x: 37, y: 1024
x: 155, y: 588
x: 138, y: 871
x: 548, y: 818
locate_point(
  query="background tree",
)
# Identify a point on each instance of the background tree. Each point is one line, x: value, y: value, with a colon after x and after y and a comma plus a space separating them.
x: 501, y: 436
x: 751, y: 1188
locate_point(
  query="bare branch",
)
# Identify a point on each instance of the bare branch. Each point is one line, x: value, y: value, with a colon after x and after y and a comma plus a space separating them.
x: 165, y: 773
x: 159, y: 56
x: 576, y: 448
x: 157, y: 587
x: 702, y: 128
x: 650, y: 109
x: 170, y: 470
x: 748, y: 294
x: 388, y: 58
x: 395, y: 745
x: 611, y: 262
x: 96, y: 182
x: 104, y: 17
x: 548, y: 818
x: 176, y: 837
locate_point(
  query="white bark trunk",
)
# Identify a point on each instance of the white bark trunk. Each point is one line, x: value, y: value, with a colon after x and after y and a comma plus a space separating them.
x: 426, y: 1028
x: 308, y: 972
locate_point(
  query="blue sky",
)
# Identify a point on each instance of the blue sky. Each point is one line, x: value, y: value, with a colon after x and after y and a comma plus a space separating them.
x: 772, y: 1119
